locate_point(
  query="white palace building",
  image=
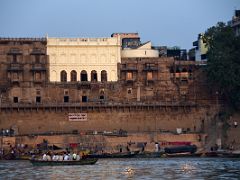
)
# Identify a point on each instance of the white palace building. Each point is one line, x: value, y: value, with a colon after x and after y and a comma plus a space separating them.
x: 90, y: 59
x: 83, y: 59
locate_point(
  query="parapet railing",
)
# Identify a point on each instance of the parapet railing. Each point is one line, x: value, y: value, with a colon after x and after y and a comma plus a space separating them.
x: 22, y: 39
x: 96, y: 104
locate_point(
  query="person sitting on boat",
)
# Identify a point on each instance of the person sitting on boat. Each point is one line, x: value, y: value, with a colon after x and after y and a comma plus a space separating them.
x: 60, y: 157
x: 74, y: 156
x: 70, y: 156
x: 55, y: 157
x: 65, y: 157
x: 49, y: 157
x: 78, y: 157
x: 44, y: 157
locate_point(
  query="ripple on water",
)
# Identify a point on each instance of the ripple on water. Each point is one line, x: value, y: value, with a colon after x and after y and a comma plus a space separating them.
x: 172, y: 168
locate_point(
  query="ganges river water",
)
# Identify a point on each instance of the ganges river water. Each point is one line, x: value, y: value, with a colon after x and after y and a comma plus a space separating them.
x: 159, y: 168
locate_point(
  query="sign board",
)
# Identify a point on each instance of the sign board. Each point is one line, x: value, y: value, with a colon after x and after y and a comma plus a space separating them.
x: 77, y: 116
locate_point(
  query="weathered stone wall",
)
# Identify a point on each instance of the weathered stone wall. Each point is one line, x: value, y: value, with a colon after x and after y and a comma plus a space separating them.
x: 23, y: 63
x: 106, y: 143
x: 162, y: 85
x: 147, y: 119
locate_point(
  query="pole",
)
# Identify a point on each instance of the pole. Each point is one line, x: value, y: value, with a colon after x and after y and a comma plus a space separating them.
x: 219, y: 124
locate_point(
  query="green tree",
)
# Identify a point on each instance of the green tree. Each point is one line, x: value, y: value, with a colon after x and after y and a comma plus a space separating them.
x: 223, y: 66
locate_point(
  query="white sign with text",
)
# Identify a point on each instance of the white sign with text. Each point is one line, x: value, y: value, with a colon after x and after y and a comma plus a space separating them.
x: 77, y: 116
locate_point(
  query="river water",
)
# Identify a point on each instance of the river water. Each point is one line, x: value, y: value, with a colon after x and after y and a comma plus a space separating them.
x: 159, y: 168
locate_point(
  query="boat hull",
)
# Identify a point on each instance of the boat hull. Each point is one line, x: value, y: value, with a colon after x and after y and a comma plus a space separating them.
x: 64, y: 163
x: 181, y: 149
x: 184, y: 155
x: 222, y: 154
x: 149, y: 155
x: 114, y: 155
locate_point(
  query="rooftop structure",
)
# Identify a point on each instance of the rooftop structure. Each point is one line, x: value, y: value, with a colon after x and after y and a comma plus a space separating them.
x: 235, y: 23
x: 200, y: 48
x: 144, y: 50
x: 128, y: 40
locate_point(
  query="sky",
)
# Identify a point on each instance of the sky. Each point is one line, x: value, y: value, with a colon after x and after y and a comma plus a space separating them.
x: 164, y: 22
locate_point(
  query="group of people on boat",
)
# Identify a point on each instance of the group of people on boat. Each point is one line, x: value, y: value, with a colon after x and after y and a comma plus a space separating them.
x: 63, y: 156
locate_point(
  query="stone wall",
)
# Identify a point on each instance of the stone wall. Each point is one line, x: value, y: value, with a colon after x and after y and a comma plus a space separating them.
x: 106, y: 143
x: 147, y: 119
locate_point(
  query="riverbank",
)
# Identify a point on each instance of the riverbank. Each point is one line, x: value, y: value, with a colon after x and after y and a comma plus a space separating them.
x: 101, y: 142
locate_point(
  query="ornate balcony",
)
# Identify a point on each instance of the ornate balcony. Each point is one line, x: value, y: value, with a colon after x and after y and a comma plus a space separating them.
x: 128, y: 68
x: 150, y: 68
x: 38, y: 67
x: 15, y: 67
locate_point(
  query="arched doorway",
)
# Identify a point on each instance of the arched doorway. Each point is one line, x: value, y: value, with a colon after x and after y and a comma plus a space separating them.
x: 63, y: 76
x: 103, y: 76
x: 83, y: 75
x: 94, y: 76
x: 73, y: 76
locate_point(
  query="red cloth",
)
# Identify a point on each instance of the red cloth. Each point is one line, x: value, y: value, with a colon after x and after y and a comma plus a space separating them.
x: 73, y: 145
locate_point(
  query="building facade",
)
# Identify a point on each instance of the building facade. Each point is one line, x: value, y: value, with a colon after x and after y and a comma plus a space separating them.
x: 200, y: 49
x: 235, y: 22
x: 45, y: 81
x: 83, y: 59
x: 24, y: 64
x: 143, y: 51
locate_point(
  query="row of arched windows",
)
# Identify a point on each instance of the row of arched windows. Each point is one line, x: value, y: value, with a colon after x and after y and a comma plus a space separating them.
x: 83, y: 76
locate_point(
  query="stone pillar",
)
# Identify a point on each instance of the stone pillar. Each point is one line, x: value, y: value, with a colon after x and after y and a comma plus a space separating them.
x: 89, y: 75
x: 138, y: 92
x: 99, y: 76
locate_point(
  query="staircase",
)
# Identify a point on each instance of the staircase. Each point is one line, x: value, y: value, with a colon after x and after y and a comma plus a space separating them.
x: 211, y: 131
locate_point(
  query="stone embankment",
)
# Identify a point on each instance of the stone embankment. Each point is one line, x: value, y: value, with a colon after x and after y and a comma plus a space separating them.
x: 106, y: 143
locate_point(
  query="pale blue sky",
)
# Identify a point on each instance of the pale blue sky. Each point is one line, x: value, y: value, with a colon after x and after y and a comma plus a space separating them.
x: 164, y: 22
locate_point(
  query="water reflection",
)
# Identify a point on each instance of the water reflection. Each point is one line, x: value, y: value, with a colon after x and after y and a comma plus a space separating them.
x: 172, y: 168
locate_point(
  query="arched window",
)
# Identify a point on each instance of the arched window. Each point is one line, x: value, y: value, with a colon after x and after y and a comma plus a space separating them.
x: 178, y: 70
x: 93, y: 76
x: 103, y: 76
x: 63, y: 76
x: 73, y: 76
x: 184, y: 70
x: 172, y: 70
x: 37, y: 76
x: 84, y: 76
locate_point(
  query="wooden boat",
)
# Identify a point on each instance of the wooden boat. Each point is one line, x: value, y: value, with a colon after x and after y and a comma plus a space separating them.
x: 184, y: 155
x: 86, y: 161
x: 224, y: 154
x: 212, y: 154
x: 114, y: 155
x: 181, y: 149
x: 231, y: 155
x: 149, y: 155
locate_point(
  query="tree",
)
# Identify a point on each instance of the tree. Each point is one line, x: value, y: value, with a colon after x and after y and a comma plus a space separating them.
x: 223, y: 66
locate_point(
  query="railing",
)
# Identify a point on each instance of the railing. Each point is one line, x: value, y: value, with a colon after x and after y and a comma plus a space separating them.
x: 15, y: 67
x: 83, y: 41
x: 15, y: 80
x: 38, y: 67
x: 23, y: 39
x: 128, y: 69
x: 150, y: 68
x: 95, y: 104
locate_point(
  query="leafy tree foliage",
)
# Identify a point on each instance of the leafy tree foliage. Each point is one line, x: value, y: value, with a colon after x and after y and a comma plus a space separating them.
x: 223, y: 66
